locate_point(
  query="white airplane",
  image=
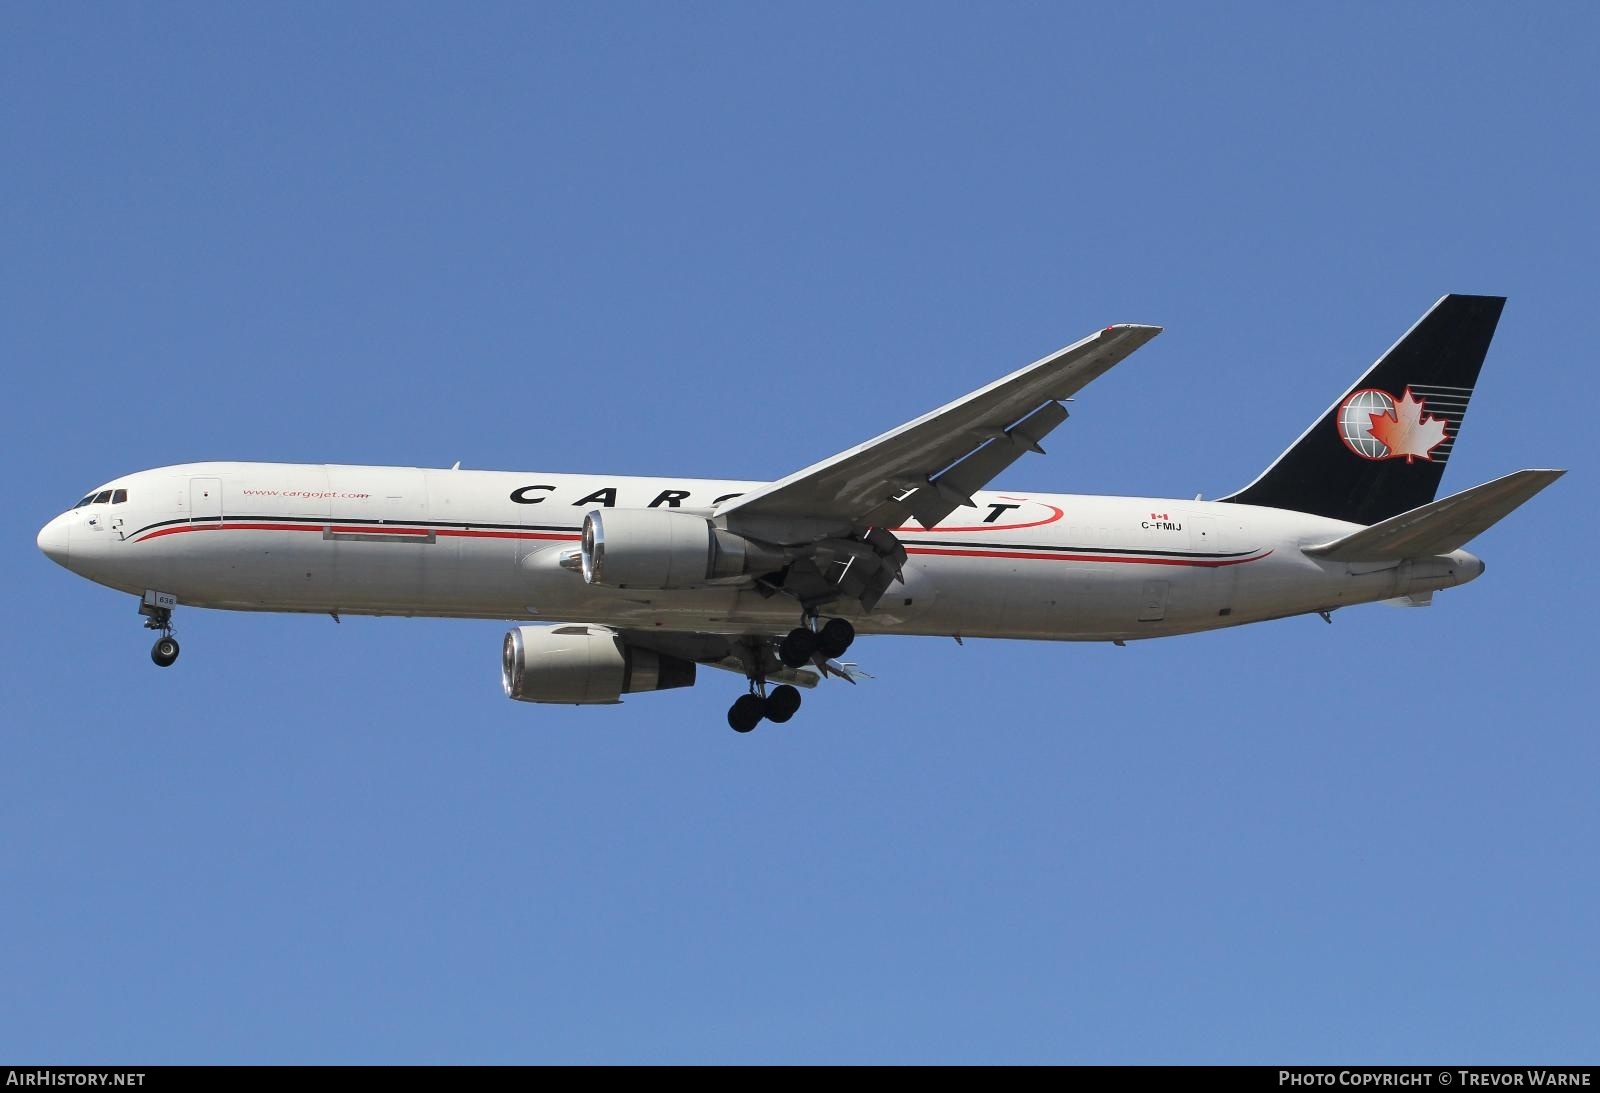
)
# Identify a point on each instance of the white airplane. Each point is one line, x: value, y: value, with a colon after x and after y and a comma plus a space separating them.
x: 629, y: 583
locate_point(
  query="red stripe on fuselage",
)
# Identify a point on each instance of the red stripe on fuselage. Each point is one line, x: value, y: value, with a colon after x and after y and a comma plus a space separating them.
x: 181, y: 528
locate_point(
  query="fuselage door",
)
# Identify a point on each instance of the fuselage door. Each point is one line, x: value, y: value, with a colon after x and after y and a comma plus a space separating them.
x: 1153, y: 601
x: 205, y: 500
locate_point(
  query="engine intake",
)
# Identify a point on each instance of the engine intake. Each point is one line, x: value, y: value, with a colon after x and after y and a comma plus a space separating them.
x: 583, y: 665
x: 663, y: 549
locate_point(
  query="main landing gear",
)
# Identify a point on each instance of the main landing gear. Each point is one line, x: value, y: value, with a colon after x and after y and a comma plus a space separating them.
x: 799, y: 647
x: 803, y: 642
x: 158, y: 616
x: 777, y: 707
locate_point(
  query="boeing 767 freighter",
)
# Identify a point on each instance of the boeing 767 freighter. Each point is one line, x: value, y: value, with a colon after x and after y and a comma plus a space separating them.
x: 621, y: 585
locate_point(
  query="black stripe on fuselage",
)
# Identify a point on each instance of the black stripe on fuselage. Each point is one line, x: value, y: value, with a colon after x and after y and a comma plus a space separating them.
x: 325, y: 521
x: 984, y: 545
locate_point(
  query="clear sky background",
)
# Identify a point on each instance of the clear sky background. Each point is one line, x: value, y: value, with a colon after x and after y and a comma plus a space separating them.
x: 727, y: 240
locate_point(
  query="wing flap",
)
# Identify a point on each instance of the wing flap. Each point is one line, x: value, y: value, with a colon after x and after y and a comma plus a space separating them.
x: 738, y: 654
x: 953, y: 487
x: 797, y: 677
x: 1439, y: 526
x: 950, y: 445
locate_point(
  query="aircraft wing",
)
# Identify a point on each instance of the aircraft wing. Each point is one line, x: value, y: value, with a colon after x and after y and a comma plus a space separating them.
x: 928, y: 467
x: 741, y: 654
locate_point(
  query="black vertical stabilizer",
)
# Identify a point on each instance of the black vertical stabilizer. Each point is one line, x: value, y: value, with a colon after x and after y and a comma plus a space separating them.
x: 1380, y: 450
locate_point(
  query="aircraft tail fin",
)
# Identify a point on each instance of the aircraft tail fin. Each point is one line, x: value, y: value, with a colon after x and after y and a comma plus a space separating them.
x: 1438, y: 527
x: 1380, y: 449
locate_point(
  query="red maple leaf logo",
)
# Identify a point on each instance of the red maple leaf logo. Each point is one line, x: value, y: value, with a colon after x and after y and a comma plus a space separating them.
x: 1406, y: 432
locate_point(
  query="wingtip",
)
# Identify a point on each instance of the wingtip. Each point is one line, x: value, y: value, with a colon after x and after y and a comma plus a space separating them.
x: 1119, y: 328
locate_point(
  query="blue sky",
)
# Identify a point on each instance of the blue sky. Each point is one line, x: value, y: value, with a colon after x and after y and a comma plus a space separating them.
x: 727, y: 240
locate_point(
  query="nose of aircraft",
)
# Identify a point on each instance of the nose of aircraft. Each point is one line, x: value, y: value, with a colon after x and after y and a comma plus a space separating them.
x: 53, y: 540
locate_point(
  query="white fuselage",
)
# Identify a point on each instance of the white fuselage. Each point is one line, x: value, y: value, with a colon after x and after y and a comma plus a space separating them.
x: 488, y: 544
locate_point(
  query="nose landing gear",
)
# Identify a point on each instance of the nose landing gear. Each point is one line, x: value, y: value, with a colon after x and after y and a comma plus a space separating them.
x: 165, y: 651
x: 157, y: 611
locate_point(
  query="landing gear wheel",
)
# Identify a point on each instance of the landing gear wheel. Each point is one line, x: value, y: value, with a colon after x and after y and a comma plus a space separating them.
x: 782, y: 703
x: 797, y: 647
x: 746, y: 713
x: 164, y: 651
x: 835, y: 637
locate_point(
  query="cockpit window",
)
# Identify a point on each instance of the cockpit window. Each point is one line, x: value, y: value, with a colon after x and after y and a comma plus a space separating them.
x: 114, y: 497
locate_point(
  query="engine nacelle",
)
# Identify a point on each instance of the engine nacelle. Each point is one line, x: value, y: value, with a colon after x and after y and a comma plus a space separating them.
x: 583, y: 665
x: 665, y: 549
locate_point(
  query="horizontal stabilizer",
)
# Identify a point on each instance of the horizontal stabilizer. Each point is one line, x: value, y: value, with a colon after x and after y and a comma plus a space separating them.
x: 1439, y: 526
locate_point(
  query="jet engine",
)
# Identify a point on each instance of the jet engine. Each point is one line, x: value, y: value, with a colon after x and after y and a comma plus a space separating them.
x: 583, y: 665
x: 664, y: 549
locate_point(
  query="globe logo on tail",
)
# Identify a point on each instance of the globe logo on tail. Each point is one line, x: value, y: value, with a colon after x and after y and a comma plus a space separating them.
x: 1375, y: 425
